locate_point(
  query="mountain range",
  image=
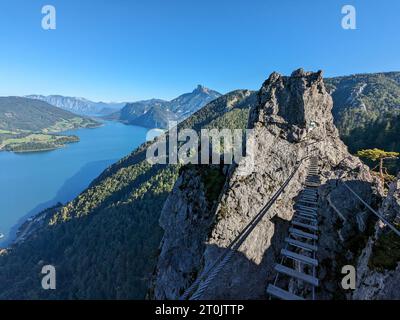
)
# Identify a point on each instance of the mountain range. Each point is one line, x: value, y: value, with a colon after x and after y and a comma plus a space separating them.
x: 156, y: 113
x: 80, y: 106
x: 29, y: 125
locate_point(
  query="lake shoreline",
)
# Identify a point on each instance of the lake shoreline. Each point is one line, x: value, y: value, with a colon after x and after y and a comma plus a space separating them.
x: 58, y: 176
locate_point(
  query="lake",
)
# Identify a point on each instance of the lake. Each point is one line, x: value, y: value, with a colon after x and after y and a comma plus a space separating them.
x: 31, y: 182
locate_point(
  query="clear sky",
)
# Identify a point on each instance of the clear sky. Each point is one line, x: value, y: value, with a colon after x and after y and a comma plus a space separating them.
x: 125, y: 50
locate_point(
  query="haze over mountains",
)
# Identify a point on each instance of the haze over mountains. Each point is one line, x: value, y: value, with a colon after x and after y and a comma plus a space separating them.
x: 80, y: 106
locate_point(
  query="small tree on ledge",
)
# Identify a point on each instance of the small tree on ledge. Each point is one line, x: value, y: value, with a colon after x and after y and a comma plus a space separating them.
x: 378, y: 155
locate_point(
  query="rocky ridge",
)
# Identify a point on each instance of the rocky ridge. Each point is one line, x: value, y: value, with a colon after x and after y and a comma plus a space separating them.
x: 291, y: 113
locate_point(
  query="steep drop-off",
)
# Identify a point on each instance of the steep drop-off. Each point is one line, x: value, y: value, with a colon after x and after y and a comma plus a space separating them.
x: 291, y: 113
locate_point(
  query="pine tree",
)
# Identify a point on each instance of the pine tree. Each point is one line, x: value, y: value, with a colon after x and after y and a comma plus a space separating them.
x: 378, y: 155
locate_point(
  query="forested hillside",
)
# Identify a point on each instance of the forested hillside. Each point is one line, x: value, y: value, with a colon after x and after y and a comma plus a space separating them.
x: 366, y: 109
x: 29, y: 125
x: 23, y: 114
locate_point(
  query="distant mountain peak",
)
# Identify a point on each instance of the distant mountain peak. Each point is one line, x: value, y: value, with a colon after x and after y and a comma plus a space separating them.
x: 200, y: 88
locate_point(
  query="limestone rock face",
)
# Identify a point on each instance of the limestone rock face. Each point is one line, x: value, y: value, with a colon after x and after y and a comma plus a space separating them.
x: 373, y: 283
x: 186, y: 219
x: 291, y: 120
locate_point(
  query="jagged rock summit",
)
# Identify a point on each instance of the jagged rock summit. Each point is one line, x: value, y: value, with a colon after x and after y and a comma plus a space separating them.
x: 292, y: 117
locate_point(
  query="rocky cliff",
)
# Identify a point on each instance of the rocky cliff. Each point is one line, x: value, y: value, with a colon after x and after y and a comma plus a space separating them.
x: 378, y: 269
x: 291, y: 117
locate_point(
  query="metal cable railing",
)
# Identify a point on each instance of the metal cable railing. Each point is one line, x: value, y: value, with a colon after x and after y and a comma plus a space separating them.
x: 392, y: 227
x: 224, y: 259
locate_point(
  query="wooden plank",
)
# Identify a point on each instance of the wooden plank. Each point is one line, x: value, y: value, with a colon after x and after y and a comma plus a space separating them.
x: 306, y: 215
x: 304, y: 225
x: 305, y: 208
x: 282, y: 294
x: 311, y: 184
x: 301, y: 245
x: 307, y: 201
x: 299, y: 257
x: 306, y: 235
x: 296, y: 274
x: 306, y: 218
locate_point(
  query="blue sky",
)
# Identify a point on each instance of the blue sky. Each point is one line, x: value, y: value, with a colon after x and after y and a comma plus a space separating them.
x: 126, y: 50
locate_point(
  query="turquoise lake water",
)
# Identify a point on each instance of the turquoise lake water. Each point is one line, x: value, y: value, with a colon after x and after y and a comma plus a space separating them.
x: 31, y: 182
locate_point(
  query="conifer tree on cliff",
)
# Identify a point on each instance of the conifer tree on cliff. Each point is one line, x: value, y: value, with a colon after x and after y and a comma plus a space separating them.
x: 378, y: 155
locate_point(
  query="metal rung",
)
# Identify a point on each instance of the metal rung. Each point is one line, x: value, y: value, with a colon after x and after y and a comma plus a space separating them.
x: 306, y: 235
x: 301, y: 245
x: 299, y: 257
x: 282, y: 294
x: 304, y: 225
x: 296, y: 274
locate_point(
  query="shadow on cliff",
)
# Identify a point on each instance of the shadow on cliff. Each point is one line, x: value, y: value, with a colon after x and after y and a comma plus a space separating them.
x: 244, y: 278
x: 345, y: 225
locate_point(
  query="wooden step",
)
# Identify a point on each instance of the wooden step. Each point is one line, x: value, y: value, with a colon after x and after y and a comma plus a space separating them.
x: 311, y: 189
x: 304, y: 225
x: 305, y: 208
x: 296, y: 274
x: 311, y: 184
x: 306, y: 218
x: 306, y: 235
x: 282, y: 294
x: 305, y: 215
x: 308, y: 180
x: 310, y: 192
x: 308, y: 197
x: 299, y: 257
x: 307, y: 201
x: 301, y: 245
